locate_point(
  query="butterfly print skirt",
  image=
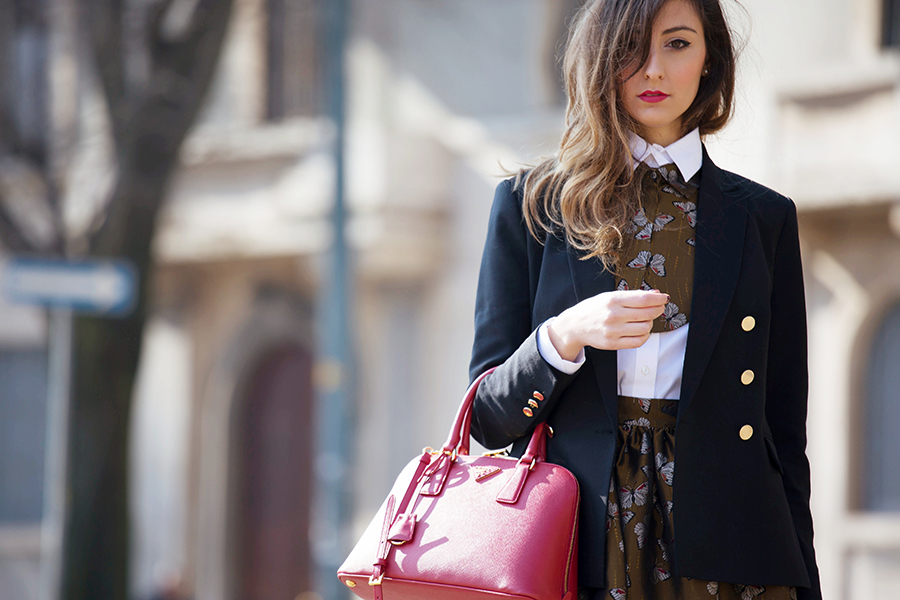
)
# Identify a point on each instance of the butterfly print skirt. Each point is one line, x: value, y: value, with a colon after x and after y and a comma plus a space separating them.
x: 640, y: 516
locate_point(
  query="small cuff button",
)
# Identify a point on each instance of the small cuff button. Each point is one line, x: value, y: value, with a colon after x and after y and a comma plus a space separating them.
x: 538, y: 396
x: 528, y: 412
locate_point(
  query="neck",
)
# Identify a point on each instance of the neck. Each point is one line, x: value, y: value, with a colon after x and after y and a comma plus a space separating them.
x: 662, y: 136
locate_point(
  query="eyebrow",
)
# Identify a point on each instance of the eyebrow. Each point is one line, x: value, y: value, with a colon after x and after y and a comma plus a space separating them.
x: 679, y: 28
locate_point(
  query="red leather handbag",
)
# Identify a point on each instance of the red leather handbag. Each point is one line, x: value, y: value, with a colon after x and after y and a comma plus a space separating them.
x: 460, y: 527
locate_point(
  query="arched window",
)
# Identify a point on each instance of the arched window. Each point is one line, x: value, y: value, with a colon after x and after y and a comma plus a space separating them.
x: 881, y: 485
x: 890, y: 24
x: 295, y: 54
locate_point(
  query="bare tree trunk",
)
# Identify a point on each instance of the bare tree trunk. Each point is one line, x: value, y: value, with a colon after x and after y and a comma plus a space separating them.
x: 149, y: 126
x: 106, y: 358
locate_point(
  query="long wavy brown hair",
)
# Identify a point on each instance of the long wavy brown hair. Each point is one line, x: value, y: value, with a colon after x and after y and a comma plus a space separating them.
x: 588, y: 189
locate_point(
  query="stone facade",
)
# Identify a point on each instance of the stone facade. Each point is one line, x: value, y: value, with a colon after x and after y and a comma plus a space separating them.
x: 442, y: 96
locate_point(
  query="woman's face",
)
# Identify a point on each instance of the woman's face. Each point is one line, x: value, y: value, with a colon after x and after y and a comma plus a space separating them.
x: 665, y: 86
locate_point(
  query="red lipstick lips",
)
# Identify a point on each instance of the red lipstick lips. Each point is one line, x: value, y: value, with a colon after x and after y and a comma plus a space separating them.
x: 653, y: 96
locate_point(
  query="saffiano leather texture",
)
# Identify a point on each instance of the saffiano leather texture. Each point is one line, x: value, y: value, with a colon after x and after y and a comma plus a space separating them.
x: 460, y: 527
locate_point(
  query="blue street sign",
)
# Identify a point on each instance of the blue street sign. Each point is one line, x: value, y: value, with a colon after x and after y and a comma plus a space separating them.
x: 95, y: 286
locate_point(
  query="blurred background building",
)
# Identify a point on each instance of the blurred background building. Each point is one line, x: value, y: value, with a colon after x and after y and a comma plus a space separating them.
x: 442, y: 96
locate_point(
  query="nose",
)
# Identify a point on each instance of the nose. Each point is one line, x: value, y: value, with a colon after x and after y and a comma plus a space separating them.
x: 653, y: 69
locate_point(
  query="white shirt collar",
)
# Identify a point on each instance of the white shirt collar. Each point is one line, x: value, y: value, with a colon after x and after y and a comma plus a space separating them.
x: 686, y: 153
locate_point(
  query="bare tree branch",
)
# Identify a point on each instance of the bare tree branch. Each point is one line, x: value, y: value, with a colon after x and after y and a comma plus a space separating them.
x: 104, y: 25
x: 25, y: 198
x: 181, y: 72
x: 11, y: 239
x: 158, y: 16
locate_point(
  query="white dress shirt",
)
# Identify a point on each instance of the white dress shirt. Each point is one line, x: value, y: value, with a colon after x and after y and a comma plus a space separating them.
x: 653, y: 370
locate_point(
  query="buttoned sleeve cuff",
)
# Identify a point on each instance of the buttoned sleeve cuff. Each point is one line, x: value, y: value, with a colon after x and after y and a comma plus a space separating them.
x: 548, y: 352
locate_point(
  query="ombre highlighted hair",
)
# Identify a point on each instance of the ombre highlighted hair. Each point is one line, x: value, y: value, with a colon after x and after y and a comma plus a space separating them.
x: 588, y: 189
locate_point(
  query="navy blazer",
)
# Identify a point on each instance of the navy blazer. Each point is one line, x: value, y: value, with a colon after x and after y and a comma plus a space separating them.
x: 741, y: 506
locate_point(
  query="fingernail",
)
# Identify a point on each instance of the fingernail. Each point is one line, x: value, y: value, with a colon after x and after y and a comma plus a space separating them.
x: 655, y: 290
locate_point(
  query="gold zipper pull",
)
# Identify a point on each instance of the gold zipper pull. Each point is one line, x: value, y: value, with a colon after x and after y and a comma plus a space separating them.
x: 495, y: 453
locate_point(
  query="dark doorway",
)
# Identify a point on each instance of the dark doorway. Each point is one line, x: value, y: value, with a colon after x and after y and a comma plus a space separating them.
x: 275, y: 478
x: 881, y: 487
x: 890, y: 24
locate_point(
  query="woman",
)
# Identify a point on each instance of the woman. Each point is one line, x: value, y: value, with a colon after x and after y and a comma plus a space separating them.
x: 633, y: 294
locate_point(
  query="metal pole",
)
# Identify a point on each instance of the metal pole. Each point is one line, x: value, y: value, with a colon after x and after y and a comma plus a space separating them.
x: 56, y: 453
x: 335, y: 410
x: 61, y: 111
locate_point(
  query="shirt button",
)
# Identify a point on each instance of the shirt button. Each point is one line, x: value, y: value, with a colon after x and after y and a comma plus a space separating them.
x: 645, y: 370
x: 748, y: 323
x: 746, y: 432
x: 747, y: 377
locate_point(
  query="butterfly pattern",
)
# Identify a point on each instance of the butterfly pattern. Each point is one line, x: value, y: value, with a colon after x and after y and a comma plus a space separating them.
x: 623, y: 285
x: 690, y: 212
x: 676, y: 185
x: 664, y: 548
x: 655, y: 254
x: 645, y: 259
x: 640, y: 534
x: 643, y: 228
x: 674, y: 318
x: 666, y: 470
x: 636, y: 496
x: 639, y: 422
x: 749, y: 592
x: 640, y: 508
x: 659, y: 574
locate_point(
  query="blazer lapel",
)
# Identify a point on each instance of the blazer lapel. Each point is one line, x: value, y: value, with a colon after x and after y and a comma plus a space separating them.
x: 589, y: 279
x: 721, y: 222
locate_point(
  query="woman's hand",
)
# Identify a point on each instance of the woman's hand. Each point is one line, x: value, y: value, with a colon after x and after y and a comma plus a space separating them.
x: 607, y: 321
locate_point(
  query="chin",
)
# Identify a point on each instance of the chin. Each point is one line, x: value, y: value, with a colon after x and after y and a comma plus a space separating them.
x: 650, y: 126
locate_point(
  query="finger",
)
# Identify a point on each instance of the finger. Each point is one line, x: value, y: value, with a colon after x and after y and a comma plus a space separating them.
x: 641, y: 298
x: 636, y: 329
x: 629, y: 342
x: 637, y: 315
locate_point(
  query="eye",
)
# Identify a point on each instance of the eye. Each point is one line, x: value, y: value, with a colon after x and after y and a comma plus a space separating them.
x: 679, y: 44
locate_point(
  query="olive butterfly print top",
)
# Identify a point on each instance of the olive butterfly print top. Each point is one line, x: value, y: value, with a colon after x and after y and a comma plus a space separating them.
x: 659, y: 242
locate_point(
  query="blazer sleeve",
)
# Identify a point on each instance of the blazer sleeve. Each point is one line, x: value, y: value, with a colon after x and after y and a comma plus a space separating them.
x: 504, y: 334
x: 787, y: 385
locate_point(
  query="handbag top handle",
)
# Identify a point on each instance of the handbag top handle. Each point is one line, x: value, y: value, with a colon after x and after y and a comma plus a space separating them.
x: 459, y: 438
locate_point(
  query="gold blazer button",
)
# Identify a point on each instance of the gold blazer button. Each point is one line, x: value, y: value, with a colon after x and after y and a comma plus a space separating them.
x: 747, y: 377
x: 746, y: 432
x: 748, y: 323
